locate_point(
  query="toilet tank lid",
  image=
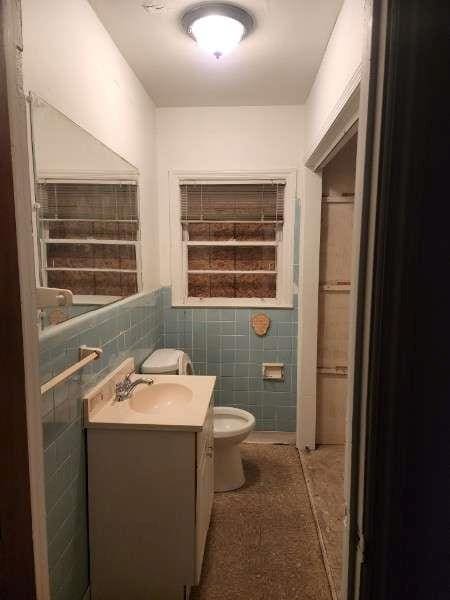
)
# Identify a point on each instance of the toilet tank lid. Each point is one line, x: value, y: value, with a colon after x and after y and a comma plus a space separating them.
x: 162, y: 361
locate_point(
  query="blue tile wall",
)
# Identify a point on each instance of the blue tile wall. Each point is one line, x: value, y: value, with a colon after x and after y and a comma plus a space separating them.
x: 129, y: 328
x: 222, y: 342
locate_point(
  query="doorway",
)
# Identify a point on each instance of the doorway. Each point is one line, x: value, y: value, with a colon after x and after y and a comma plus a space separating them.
x: 338, y: 192
x: 324, y: 466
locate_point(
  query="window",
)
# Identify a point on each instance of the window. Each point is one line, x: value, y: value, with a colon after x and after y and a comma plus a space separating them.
x: 88, y: 238
x: 233, y: 242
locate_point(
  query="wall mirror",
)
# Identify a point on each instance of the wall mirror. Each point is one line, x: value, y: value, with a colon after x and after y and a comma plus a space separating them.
x: 86, y: 218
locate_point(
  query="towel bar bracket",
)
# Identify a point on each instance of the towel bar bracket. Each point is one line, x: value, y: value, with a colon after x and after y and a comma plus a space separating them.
x: 87, y: 351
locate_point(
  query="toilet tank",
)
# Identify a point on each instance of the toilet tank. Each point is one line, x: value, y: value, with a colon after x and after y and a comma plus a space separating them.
x: 168, y: 361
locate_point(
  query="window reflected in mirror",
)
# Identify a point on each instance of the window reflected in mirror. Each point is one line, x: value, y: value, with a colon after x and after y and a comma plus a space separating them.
x: 86, y: 216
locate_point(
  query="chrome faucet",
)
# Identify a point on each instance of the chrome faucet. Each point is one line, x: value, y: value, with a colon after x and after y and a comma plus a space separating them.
x: 125, y: 387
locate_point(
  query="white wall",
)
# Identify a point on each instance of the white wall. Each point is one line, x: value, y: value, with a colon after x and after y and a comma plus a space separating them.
x: 71, y: 61
x: 62, y: 148
x: 222, y: 139
x: 341, y: 62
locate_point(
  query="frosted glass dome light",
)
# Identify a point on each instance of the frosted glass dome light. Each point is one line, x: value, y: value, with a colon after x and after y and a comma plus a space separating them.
x: 217, y: 34
x: 217, y: 28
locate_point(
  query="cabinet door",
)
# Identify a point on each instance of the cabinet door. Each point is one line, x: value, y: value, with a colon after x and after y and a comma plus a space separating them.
x: 205, y: 496
x: 205, y: 437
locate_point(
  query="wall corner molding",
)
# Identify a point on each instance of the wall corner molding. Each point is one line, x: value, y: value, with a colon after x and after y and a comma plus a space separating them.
x: 341, y: 119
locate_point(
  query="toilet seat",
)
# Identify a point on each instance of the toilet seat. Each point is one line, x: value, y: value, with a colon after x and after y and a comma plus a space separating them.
x: 230, y: 421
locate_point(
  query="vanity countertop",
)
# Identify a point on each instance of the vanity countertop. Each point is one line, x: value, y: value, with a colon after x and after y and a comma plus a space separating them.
x: 171, y: 402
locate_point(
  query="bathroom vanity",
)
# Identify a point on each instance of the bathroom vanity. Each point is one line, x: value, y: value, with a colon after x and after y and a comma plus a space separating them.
x: 150, y: 485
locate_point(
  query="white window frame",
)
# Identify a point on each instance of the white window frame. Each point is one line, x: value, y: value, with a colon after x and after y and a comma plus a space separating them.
x: 285, y: 263
x: 42, y: 242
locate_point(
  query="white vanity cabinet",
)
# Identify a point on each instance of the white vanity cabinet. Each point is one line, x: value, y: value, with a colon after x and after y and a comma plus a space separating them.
x: 150, y: 498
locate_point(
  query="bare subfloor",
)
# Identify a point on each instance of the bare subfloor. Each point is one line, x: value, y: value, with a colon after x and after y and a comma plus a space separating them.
x: 325, y: 472
x: 263, y: 543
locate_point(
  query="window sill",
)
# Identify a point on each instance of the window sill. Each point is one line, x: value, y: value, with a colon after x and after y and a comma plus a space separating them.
x: 80, y: 299
x: 232, y: 303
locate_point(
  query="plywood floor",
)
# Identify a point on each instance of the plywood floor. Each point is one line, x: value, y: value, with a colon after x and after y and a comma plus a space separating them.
x: 325, y: 472
x: 263, y: 542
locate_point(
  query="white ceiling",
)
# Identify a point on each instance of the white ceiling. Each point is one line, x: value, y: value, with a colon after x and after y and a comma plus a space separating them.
x: 276, y: 64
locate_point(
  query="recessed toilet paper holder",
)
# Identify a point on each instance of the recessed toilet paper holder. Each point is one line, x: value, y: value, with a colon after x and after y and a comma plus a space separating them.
x: 273, y: 371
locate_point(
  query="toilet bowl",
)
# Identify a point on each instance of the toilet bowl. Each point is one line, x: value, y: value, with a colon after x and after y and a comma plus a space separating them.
x: 231, y: 427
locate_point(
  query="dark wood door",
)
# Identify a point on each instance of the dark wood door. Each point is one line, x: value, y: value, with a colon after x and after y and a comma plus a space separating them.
x: 17, y: 576
x: 407, y: 499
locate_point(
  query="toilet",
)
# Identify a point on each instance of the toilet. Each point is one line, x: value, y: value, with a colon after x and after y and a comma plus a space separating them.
x: 168, y: 361
x: 231, y: 427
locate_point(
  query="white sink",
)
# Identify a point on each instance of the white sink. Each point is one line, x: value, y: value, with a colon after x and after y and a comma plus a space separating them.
x: 160, y: 398
x: 178, y: 402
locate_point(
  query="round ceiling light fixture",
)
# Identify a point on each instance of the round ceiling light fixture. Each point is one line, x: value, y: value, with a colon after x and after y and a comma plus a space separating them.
x: 217, y: 27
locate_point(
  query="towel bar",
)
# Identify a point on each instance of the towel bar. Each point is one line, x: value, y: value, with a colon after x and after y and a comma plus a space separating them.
x: 87, y: 355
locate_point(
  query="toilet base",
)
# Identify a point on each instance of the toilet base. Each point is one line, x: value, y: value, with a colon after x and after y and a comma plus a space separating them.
x: 228, y: 470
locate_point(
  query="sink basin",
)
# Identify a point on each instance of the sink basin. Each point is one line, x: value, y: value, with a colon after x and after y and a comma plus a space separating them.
x: 161, y: 398
x: 171, y: 403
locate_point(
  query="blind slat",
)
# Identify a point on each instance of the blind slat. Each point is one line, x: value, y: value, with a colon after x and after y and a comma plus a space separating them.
x: 232, y: 202
x: 109, y: 202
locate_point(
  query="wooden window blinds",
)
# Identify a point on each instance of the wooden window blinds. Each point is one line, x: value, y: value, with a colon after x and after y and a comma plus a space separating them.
x: 232, y: 234
x: 88, y: 234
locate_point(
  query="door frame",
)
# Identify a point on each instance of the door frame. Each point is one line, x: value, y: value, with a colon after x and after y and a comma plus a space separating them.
x: 22, y: 438
x: 342, y: 125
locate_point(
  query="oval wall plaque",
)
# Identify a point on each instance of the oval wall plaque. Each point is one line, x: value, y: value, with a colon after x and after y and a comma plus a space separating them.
x: 260, y: 324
